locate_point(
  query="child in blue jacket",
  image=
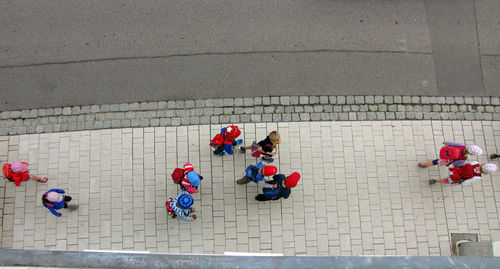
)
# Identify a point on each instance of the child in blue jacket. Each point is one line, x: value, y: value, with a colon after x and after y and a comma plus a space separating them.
x: 257, y: 173
x: 55, y: 199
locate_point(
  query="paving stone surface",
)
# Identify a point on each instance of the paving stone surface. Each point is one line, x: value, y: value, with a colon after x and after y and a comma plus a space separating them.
x: 361, y: 192
x: 265, y: 109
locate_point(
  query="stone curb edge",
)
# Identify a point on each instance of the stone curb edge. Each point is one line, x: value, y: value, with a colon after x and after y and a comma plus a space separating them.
x: 242, y: 110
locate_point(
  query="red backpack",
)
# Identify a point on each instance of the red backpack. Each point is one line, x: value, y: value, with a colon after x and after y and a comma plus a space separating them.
x: 177, y: 175
x: 465, y: 172
x: 452, y: 153
x: 217, y: 141
x: 170, y: 211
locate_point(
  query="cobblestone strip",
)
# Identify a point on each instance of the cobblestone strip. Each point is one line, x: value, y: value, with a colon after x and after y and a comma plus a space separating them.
x: 257, y: 109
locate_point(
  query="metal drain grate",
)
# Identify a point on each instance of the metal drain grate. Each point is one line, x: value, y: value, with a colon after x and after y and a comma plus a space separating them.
x: 457, y: 237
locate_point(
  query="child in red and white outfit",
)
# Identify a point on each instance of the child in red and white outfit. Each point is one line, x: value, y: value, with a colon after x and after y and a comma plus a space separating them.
x: 18, y: 172
x: 466, y: 174
x: 191, y: 180
x: 453, y: 154
x: 226, y: 140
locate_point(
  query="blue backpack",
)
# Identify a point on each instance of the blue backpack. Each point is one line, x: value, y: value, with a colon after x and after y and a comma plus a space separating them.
x: 252, y: 171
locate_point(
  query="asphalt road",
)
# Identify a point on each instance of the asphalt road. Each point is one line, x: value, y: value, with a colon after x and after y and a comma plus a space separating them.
x: 62, y: 53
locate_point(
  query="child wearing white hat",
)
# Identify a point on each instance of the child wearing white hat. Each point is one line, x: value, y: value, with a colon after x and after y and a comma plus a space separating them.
x: 466, y: 174
x: 453, y: 154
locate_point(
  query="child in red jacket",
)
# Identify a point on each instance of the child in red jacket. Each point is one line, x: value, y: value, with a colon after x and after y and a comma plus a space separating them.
x: 18, y: 172
x: 191, y: 180
x: 226, y: 140
x: 466, y: 174
x: 187, y: 178
x: 453, y: 154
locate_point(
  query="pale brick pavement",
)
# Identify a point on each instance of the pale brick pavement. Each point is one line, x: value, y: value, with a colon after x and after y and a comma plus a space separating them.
x: 361, y: 192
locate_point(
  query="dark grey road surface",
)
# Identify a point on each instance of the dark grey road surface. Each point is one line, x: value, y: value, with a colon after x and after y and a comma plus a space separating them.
x: 62, y: 53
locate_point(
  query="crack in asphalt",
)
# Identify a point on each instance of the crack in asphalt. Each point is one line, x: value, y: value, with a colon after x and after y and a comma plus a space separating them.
x: 209, y: 54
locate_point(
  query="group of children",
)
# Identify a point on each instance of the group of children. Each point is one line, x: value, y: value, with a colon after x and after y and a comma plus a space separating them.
x: 188, y: 181
x: 224, y: 143
x: 454, y: 155
x: 462, y: 171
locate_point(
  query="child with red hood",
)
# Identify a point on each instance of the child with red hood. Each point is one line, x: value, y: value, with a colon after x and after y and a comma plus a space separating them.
x: 281, y: 187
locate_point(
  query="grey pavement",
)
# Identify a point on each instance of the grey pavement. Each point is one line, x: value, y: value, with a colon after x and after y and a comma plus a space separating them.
x: 92, y: 259
x: 361, y: 192
x: 256, y: 109
x: 81, y: 53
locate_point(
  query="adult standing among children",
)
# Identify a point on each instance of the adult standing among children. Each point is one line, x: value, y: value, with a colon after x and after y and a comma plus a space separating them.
x: 453, y: 154
x: 18, y: 172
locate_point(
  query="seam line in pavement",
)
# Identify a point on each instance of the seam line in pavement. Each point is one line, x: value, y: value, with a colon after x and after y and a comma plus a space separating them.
x: 211, y: 54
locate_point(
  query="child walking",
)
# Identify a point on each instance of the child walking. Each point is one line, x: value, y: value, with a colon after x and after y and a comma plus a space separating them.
x: 55, y: 199
x: 466, y: 174
x: 453, y: 154
x: 187, y: 178
x: 281, y: 187
x: 191, y: 180
x: 226, y: 140
x: 257, y: 173
x: 181, y: 206
x: 267, y: 147
x: 18, y: 172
